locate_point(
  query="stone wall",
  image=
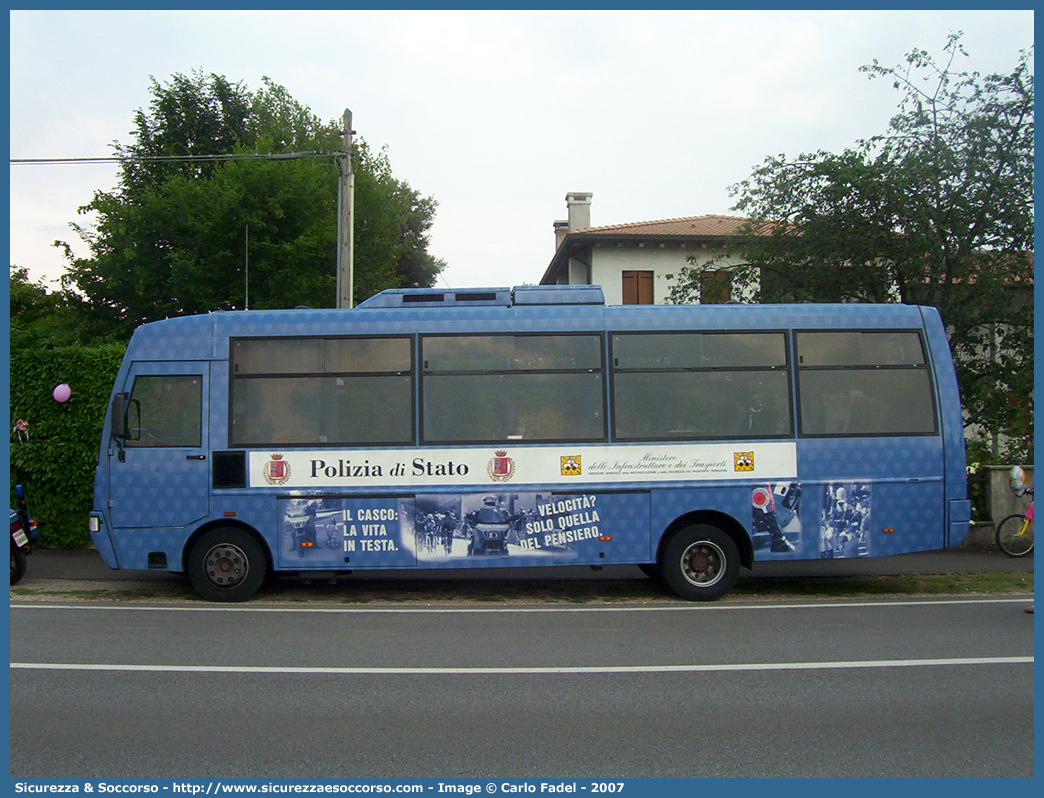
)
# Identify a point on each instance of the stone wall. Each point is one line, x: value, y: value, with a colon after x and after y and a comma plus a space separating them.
x: 998, y: 492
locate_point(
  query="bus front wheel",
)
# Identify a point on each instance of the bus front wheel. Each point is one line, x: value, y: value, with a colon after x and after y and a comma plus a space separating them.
x: 227, y: 564
x: 700, y: 563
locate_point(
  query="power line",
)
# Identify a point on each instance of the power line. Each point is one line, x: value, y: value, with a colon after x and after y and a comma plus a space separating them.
x: 243, y: 156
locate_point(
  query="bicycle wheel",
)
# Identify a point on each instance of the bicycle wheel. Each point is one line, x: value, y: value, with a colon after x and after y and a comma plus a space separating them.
x: 1015, y: 536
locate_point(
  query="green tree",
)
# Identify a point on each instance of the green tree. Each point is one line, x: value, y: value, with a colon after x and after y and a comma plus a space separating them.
x: 41, y: 317
x: 938, y: 210
x: 191, y: 116
x: 216, y: 232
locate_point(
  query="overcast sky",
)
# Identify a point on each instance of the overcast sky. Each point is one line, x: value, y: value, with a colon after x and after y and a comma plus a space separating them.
x: 497, y: 115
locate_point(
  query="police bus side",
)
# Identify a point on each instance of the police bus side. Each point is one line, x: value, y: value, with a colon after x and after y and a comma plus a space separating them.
x: 529, y: 426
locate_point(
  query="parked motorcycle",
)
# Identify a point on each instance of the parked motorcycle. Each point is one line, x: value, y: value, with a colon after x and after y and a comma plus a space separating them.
x: 23, y: 533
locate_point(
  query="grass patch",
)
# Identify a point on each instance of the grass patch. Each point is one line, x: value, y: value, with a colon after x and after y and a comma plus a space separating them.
x: 991, y: 583
x: 72, y: 590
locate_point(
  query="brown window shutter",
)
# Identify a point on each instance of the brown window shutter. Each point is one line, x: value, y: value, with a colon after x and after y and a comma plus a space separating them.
x: 638, y: 288
x: 715, y: 288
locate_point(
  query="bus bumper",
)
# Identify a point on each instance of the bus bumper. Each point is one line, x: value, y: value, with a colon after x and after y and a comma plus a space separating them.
x: 960, y: 517
x: 100, y: 538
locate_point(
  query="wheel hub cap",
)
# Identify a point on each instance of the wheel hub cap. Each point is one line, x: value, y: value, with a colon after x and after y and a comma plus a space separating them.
x: 699, y: 562
x: 226, y: 565
x: 702, y: 563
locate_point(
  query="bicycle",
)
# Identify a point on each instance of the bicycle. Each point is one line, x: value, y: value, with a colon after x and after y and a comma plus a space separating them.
x: 1015, y: 532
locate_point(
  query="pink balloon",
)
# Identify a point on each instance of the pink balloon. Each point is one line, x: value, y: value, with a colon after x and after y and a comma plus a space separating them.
x: 62, y: 393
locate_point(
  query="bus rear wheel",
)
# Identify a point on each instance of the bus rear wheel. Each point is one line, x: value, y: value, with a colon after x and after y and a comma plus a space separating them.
x: 700, y: 563
x: 227, y: 564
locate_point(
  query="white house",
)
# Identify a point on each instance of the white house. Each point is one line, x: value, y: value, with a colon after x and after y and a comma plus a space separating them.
x: 631, y: 261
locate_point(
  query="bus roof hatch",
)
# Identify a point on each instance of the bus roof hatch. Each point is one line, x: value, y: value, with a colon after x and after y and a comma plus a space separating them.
x: 478, y: 297
x: 435, y: 298
x: 559, y: 295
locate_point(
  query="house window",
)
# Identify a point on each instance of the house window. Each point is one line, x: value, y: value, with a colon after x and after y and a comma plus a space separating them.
x: 715, y: 288
x: 638, y: 288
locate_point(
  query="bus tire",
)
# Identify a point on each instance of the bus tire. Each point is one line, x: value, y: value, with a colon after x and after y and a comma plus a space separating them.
x: 227, y: 564
x: 700, y: 563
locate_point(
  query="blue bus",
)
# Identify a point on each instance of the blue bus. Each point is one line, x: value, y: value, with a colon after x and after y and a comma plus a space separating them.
x: 527, y: 427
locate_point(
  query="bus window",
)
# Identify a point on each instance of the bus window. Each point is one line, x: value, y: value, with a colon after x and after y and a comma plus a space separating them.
x: 864, y: 383
x: 700, y: 386
x: 281, y: 356
x: 321, y: 391
x: 499, y: 388
x: 165, y: 411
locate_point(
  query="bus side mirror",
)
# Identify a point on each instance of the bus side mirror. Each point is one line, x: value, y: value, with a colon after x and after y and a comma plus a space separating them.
x: 119, y: 416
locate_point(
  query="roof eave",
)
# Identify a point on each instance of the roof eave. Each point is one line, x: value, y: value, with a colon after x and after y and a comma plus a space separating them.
x: 561, y: 256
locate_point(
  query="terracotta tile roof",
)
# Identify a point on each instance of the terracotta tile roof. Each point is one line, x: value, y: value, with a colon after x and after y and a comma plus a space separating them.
x: 709, y: 225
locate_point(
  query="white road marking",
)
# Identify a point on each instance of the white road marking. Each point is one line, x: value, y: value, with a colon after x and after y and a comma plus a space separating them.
x: 597, y: 669
x: 681, y: 607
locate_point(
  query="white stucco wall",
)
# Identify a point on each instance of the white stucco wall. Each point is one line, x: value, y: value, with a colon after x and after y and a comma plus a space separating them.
x: 608, y: 263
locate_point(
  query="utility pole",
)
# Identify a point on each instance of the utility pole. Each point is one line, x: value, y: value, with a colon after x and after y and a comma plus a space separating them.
x: 345, y: 218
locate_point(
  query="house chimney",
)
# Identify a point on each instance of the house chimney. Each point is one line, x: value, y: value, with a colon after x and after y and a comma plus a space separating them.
x: 579, y: 205
x: 561, y: 228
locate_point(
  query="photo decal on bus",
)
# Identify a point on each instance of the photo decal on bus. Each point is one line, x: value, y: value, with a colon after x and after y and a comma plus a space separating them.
x: 844, y: 520
x: 328, y: 531
x: 776, y: 517
x: 501, y: 524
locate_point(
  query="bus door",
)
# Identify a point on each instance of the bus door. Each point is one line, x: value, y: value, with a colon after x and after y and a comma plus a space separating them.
x: 871, y: 455
x: 158, y: 471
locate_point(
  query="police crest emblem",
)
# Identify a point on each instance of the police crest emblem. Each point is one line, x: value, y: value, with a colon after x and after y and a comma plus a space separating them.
x: 277, y: 470
x: 501, y: 468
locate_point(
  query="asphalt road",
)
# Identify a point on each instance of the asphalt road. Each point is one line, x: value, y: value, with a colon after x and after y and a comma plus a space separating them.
x: 844, y: 688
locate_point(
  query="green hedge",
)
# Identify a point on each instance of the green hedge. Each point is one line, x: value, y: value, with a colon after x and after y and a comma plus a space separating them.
x: 56, y: 464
